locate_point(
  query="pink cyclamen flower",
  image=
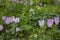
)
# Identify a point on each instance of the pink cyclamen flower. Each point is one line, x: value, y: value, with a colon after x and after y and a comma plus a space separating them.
x: 50, y: 22
x: 17, y: 29
x: 16, y: 20
x: 41, y: 23
x: 1, y: 27
x: 4, y: 18
x: 56, y: 20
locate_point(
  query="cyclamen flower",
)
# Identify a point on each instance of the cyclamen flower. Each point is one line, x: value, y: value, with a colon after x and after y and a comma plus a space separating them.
x: 41, y: 23
x: 1, y: 27
x: 50, y: 22
x: 12, y: 19
x: 17, y: 29
x: 8, y: 21
x: 4, y: 18
x: 56, y: 20
x: 6, y: 31
x: 16, y: 20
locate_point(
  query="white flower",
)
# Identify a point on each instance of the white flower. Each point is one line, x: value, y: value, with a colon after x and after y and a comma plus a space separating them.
x: 16, y: 20
x: 31, y: 10
x: 41, y: 23
x: 6, y: 31
x: 17, y: 29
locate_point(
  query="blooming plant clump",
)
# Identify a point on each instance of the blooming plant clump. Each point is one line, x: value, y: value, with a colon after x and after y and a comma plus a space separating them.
x: 9, y: 20
x: 29, y: 19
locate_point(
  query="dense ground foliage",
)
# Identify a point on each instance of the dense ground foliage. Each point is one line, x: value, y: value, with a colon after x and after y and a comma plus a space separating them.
x: 29, y: 19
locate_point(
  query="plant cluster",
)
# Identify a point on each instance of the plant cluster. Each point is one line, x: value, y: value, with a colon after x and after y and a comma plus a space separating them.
x: 29, y: 19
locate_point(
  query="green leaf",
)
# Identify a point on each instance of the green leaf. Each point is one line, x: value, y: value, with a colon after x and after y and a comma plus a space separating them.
x: 26, y: 27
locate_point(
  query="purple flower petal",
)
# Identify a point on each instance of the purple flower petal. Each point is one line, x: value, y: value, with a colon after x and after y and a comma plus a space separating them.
x: 31, y: 3
x: 4, y: 18
x: 50, y: 22
x: 12, y: 19
x: 1, y: 27
x: 16, y: 20
x: 56, y: 20
x: 8, y: 21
